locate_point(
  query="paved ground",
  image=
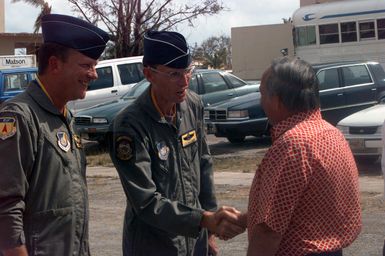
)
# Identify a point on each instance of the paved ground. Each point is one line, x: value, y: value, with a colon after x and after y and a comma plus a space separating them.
x: 107, y: 203
x: 107, y: 208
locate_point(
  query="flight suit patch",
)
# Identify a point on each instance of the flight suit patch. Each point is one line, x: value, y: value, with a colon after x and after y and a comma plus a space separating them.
x: 163, y: 150
x: 78, y: 141
x: 124, y: 148
x: 63, y: 141
x: 7, y: 127
x: 189, y: 138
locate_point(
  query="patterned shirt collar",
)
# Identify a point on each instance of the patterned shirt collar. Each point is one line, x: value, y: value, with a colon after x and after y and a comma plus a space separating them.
x: 289, y: 123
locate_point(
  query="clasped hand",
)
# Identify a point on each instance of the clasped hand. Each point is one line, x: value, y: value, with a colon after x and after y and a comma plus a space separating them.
x: 226, y: 222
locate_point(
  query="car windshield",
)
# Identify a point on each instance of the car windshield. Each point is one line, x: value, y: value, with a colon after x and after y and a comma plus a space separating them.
x: 137, y: 90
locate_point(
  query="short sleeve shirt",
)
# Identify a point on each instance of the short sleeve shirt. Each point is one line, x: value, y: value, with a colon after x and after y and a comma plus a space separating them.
x: 306, y: 187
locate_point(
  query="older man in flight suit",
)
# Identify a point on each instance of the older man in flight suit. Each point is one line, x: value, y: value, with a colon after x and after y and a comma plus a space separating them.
x: 43, y: 193
x: 160, y: 151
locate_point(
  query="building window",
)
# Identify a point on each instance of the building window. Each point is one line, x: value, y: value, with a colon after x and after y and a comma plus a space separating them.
x: 348, y: 32
x: 367, y: 30
x: 328, y: 34
x: 381, y: 28
x: 305, y: 36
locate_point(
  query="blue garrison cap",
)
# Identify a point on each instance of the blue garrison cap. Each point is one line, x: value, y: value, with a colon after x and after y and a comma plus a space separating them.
x: 74, y: 33
x: 166, y: 48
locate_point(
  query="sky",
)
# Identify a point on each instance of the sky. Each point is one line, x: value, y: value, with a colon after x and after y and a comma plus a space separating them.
x: 20, y: 17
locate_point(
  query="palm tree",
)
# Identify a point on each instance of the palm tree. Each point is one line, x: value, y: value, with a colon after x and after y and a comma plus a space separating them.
x: 45, y: 9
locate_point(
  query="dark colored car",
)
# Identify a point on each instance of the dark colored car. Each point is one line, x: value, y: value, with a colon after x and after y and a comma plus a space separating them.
x: 213, y: 86
x: 345, y: 88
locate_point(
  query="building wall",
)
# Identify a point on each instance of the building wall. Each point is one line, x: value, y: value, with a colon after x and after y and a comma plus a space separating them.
x: 10, y: 41
x: 254, y: 47
x: 2, y: 16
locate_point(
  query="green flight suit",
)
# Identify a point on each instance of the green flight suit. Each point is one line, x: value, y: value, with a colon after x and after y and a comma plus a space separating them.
x: 43, y: 193
x: 166, y: 173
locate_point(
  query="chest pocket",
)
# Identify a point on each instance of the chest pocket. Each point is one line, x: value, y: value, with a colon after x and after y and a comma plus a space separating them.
x: 190, y: 152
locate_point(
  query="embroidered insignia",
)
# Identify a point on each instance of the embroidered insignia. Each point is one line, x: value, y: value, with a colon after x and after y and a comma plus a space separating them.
x: 189, y: 138
x: 7, y: 127
x: 163, y: 150
x: 78, y: 141
x: 124, y: 148
x: 63, y: 141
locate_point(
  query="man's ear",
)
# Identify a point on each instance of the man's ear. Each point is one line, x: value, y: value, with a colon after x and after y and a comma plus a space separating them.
x: 147, y: 74
x: 54, y: 64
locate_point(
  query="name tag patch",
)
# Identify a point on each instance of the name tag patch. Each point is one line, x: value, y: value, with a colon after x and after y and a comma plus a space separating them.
x: 189, y: 138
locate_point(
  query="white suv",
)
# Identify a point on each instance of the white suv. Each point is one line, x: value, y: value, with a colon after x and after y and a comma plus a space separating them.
x: 115, y: 78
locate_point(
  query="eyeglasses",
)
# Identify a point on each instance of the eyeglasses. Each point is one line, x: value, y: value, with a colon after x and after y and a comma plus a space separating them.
x: 176, y: 75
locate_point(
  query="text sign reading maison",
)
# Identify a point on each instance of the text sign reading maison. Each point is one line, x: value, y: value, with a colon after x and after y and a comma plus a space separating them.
x: 10, y: 61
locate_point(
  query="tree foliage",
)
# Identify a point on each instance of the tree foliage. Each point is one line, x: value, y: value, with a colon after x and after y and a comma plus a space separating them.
x: 128, y: 20
x: 45, y: 9
x: 214, y: 52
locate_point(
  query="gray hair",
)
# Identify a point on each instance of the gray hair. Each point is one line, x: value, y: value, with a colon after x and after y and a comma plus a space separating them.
x: 295, y: 83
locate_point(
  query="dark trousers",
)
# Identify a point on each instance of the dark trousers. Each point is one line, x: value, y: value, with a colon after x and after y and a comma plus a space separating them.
x: 336, y: 253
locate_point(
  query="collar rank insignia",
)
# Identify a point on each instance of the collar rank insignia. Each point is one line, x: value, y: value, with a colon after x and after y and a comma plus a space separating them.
x: 124, y: 148
x: 7, y: 127
x: 163, y: 150
x: 78, y: 141
x: 63, y: 141
x: 189, y: 138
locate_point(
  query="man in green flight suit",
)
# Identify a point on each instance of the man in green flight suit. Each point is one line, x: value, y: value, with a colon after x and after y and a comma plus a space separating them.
x: 43, y: 193
x: 161, y: 154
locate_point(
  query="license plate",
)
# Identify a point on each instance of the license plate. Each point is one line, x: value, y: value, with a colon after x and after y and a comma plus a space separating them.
x: 356, y: 143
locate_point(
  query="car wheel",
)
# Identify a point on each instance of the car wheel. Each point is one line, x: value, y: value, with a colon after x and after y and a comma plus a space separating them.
x: 236, y: 140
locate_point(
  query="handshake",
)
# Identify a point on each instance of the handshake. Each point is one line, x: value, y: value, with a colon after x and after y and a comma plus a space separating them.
x: 225, y: 223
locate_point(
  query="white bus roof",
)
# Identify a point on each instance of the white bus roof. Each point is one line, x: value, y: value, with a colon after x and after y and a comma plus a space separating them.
x: 348, y: 10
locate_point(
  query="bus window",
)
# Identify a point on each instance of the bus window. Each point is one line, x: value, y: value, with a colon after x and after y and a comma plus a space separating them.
x: 348, y: 32
x: 328, y: 34
x: 305, y: 35
x: 367, y: 30
x: 381, y: 28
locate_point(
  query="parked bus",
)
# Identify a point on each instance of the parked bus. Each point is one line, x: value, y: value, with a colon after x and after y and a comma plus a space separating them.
x: 342, y: 30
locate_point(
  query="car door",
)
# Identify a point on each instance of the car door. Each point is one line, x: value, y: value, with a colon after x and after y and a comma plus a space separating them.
x: 331, y: 93
x: 99, y: 90
x: 214, y: 88
x: 359, y: 90
x: 129, y: 75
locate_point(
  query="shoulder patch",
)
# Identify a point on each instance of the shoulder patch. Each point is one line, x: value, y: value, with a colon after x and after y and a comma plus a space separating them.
x: 124, y: 148
x: 7, y: 127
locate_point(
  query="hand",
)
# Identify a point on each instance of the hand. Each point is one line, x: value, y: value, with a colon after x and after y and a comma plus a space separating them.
x: 225, y: 223
x: 17, y: 251
x: 213, y: 247
x: 230, y: 222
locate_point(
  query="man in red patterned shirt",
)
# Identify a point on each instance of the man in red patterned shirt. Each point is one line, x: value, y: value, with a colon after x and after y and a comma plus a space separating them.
x: 304, y: 199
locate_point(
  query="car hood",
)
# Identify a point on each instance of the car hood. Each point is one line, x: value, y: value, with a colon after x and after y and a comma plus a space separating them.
x: 240, y: 102
x: 107, y: 109
x: 373, y: 116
